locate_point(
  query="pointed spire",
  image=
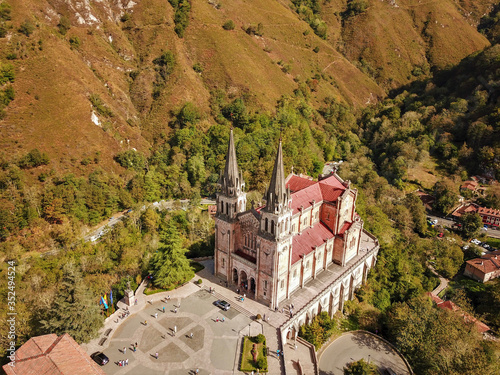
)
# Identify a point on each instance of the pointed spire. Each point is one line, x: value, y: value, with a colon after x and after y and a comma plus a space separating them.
x: 231, y: 178
x: 277, y: 193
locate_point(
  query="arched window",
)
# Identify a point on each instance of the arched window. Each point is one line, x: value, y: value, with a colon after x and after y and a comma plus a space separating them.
x: 221, y: 207
x: 227, y: 208
x: 286, y: 227
x: 267, y: 226
x: 272, y: 226
x: 223, y: 262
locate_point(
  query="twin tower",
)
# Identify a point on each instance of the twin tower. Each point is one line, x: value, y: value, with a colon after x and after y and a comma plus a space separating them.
x: 271, y: 251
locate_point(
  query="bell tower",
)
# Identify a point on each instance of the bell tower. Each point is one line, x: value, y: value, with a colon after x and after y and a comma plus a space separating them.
x: 275, y: 230
x: 231, y: 200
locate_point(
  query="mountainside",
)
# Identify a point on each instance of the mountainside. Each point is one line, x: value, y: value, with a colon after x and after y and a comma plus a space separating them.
x: 90, y: 80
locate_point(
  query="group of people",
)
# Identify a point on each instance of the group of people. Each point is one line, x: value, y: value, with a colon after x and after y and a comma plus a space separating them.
x: 123, y: 362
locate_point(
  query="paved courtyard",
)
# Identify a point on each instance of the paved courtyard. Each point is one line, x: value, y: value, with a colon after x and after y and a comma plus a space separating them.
x: 212, y: 347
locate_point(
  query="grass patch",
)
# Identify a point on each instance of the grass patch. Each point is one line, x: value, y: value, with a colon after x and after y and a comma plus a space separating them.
x: 197, y: 266
x: 494, y: 242
x: 247, y: 362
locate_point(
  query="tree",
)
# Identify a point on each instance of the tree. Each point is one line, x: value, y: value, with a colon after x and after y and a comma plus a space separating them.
x: 360, y: 367
x: 446, y: 197
x: 471, y: 224
x: 169, y: 265
x: 75, y: 310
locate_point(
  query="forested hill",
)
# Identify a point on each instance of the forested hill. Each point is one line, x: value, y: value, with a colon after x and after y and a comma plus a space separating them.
x: 91, y: 79
x: 455, y: 117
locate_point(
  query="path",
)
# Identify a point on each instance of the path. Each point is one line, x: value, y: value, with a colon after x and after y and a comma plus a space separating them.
x: 443, y: 283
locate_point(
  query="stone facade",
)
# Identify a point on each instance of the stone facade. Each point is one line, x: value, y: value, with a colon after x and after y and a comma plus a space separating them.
x: 305, y: 228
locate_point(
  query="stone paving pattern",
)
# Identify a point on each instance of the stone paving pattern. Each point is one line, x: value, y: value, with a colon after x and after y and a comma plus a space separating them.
x: 215, y: 346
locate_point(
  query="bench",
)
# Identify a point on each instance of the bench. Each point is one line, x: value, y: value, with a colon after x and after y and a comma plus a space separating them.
x: 102, y: 341
x: 108, y: 331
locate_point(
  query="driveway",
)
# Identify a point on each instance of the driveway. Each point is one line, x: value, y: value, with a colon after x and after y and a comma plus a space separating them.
x: 356, y: 345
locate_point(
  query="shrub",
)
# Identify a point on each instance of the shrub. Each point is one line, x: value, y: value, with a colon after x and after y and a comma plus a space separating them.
x: 258, y: 317
x: 100, y: 106
x: 197, y: 68
x: 200, y: 281
x: 74, y: 42
x: 125, y: 17
x: 165, y: 64
x: 316, y: 49
x: 11, y: 56
x: 26, y: 28
x: 131, y: 159
x: 5, y: 11
x: 64, y: 25
x: 260, y: 338
x: 6, y: 73
x: 228, y: 25
x: 33, y: 159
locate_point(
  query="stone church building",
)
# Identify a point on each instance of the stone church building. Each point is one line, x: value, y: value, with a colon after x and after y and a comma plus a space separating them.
x: 305, y: 227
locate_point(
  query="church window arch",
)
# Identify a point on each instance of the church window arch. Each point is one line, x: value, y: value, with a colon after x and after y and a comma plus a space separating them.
x: 267, y: 225
x: 221, y: 207
x: 227, y: 208
x: 272, y: 226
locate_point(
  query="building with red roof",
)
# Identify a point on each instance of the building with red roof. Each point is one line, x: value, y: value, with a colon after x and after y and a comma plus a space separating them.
x: 448, y: 305
x: 485, y: 268
x: 304, y: 227
x: 52, y: 355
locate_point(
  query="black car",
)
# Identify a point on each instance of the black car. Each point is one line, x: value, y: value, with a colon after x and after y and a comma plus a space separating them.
x: 222, y: 304
x: 100, y: 358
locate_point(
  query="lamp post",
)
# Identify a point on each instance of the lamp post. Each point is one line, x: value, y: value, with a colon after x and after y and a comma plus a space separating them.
x: 249, y: 330
x: 368, y: 358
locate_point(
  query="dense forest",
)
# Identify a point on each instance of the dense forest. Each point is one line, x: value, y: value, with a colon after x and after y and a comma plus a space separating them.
x: 447, y: 122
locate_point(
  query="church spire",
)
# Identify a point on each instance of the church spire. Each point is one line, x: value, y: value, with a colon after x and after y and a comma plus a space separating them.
x: 276, y: 195
x: 231, y: 180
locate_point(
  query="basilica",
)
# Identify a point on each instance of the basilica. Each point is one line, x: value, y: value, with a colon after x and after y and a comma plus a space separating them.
x: 305, y: 227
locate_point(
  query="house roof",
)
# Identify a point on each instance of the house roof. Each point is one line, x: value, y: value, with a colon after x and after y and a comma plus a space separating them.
x: 296, y: 183
x: 485, y: 265
x: 327, y: 190
x: 306, y: 241
x: 52, y: 355
x: 448, y: 305
x: 471, y: 185
x: 488, y: 211
x: 465, y: 208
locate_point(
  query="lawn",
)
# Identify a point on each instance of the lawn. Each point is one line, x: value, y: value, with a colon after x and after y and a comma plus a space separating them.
x: 493, y: 242
x: 247, y: 362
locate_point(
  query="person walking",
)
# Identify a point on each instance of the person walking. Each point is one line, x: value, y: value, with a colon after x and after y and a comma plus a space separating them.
x: 124, y: 350
x: 197, y: 370
x: 156, y: 355
x: 145, y: 322
x: 156, y: 315
x: 164, y: 309
x: 175, y: 329
x: 126, y: 362
x: 175, y: 310
x: 191, y: 335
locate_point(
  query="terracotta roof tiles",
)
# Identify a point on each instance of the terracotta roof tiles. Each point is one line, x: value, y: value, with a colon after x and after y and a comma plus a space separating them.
x: 309, y: 239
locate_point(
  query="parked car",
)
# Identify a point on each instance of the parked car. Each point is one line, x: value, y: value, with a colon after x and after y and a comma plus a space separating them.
x: 224, y: 305
x: 100, y: 358
x: 476, y: 241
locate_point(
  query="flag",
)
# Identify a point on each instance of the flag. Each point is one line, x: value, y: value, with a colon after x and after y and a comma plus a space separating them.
x: 103, y: 302
x: 111, y: 297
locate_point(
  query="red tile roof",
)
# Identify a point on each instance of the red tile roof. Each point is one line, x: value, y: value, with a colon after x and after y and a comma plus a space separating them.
x: 488, y: 211
x: 345, y: 227
x: 327, y: 190
x: 307, y: 240
x: 448, y: 305
x: 485, y: 265
x: 296, y: 183
x: 471, y: 185
x: 469, y: 207
x: 52, y: 355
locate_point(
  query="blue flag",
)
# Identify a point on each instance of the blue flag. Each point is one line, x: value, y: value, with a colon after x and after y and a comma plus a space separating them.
x: 103, y: 302
x: 111, y: 297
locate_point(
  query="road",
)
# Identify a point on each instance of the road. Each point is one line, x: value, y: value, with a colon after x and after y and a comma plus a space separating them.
x: 449, y: 223
x: 356, y: 345
x: 106, y: 226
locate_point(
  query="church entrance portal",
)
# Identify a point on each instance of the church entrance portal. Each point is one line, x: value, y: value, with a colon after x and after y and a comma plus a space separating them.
x: 243, y: 280
x: 252, y: 285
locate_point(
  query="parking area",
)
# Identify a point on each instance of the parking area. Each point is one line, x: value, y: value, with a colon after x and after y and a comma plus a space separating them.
x: 190, y: 334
